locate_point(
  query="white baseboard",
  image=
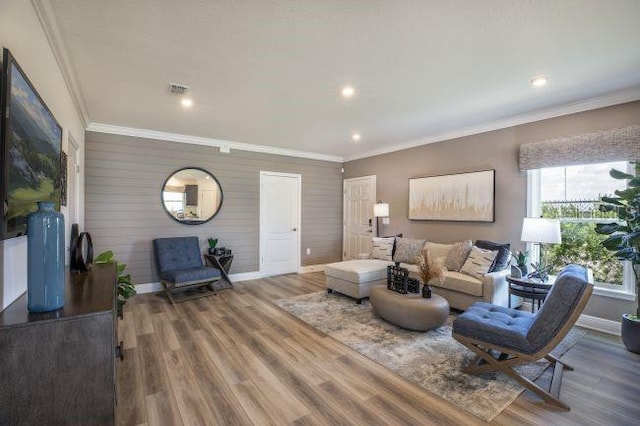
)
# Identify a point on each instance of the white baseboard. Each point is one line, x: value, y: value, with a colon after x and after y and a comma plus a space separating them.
x: 148, y: 288
x: 600, y: 324
x: 156, y: 286
x: 311, y: 268
x: 245, y: 276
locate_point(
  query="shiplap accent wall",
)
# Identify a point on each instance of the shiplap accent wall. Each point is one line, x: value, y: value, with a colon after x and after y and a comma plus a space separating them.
x: 123, y: 210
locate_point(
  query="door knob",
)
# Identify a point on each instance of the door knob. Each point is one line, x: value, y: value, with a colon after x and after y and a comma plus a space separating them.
x: 294, y: 229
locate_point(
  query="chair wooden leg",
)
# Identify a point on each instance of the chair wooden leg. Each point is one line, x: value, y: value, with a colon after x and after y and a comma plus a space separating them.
x: 553, y: 359
x: 168, y: 288
x: 506, y: 367
x: 167, y: 291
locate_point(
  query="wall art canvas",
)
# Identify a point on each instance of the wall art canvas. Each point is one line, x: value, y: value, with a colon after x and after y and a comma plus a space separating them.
x: 32, y: 141
x: 458, y: 197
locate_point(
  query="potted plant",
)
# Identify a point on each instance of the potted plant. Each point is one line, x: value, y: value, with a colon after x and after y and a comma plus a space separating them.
x: 126, y: 288
x: 624, y: 240
x: 522, y: 257
x: 213, y: 242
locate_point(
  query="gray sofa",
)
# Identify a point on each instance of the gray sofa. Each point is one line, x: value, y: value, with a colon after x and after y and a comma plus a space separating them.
x: 356, y: 277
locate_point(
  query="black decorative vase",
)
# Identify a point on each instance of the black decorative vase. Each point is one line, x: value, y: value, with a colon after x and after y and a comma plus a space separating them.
x: 426, y: 291
x: 212, y: 251
x: 631, y: 333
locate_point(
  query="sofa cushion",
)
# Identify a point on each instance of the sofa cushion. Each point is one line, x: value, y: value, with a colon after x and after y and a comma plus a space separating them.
x: 358, y: 271
x: 437, y: 250
x: 496, y: 324
x: 383, y: 248
x: 479, y: 262
x: 407, y: 250
x: 190, y: 275
x: 395, y: 237
x: 458, y: 255
x: 504, y: 253
x: 461, y: 283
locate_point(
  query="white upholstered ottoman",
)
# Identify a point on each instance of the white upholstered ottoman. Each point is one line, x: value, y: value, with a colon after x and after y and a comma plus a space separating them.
x: 355, y: 277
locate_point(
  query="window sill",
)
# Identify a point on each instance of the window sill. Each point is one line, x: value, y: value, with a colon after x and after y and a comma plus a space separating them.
x: 614, y: 294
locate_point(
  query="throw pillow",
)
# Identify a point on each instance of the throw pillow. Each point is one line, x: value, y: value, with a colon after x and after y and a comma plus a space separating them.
x: 478, y: 262
x: 394, y: 241
x: 407, y: 250
x: 382, y: 248
x: 438, y: 250
x: 503, y: 257
x: 458, y: 255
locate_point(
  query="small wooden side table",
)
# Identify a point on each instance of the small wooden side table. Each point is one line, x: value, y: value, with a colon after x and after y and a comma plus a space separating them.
x: 223, y: 263
x: 529, y: 289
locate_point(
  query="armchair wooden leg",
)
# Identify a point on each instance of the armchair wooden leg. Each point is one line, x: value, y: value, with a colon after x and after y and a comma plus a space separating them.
x: 485, y: 362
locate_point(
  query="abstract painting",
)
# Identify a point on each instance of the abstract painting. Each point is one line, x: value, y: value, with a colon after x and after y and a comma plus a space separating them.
x: 465, y: 197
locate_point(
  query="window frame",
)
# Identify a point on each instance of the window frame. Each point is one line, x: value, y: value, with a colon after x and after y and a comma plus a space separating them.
x: 627, y: 290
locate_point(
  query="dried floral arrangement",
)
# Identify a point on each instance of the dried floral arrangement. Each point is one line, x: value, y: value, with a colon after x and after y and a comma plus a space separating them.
x: 431, y: 270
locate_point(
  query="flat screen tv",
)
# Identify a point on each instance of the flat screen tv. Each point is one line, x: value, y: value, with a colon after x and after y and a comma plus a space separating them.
x: 31, y: 141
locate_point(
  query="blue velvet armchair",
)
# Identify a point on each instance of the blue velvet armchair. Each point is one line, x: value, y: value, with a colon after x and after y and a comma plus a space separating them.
x: 503, y: 338
x: 180, y: 267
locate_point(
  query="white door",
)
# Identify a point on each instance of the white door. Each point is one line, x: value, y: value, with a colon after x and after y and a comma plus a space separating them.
x: 280, y: 198
x: 208, y: 203
x: 359, y: 198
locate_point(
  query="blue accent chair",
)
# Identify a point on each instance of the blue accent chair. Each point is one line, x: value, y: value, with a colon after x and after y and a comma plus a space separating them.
x: 503, y: 338
x: 180, y: 267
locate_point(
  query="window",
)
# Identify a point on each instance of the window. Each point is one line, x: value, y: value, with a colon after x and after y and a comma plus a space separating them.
x: 174, y: 202
x: 572, y: 195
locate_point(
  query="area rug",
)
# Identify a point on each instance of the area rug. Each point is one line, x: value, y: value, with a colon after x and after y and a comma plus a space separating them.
x: 432, y: 360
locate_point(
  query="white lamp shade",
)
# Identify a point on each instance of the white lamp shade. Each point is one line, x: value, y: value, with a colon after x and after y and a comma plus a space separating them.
x: 539, y: 230
x: 381, y: 210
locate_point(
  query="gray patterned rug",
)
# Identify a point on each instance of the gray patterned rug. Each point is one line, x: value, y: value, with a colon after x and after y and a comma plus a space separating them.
x: 431, y: 359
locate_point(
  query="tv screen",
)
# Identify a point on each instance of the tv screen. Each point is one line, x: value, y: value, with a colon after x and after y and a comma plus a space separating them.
x: 31, y: 145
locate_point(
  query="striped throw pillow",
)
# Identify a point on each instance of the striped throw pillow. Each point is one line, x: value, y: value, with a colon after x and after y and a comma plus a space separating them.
x: 479, y: 262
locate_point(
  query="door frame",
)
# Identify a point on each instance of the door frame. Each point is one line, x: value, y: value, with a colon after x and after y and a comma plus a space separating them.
x: 72, y: 144
x: 344, y: 208
x: 298, y: 238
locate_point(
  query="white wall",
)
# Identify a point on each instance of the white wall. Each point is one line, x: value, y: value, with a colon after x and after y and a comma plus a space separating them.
x: 21, y: 32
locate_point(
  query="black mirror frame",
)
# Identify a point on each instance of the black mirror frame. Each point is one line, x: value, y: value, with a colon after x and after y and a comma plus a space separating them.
x: 192, y: 222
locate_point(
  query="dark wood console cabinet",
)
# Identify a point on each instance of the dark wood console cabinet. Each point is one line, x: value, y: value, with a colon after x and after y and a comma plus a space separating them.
x: 59, y: 368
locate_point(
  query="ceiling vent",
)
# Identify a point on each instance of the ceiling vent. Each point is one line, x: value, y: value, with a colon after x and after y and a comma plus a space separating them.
x: 178, y: 89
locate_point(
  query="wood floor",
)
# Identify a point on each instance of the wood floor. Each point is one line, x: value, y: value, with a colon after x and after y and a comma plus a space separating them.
x: 237, y: 359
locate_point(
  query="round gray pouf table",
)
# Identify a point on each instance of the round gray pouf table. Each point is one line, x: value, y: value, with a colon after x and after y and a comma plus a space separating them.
x: 411, y: 310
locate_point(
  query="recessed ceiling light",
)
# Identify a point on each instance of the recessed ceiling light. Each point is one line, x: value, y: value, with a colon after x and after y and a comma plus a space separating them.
x: 348, y: 91
x: 539, y: 81
x: 356, y: 136
x: 186, y: 102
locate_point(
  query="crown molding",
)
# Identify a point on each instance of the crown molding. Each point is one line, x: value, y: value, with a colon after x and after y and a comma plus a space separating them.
x: 611, y: 99
x: 52, y: 32
x: 224, y: 145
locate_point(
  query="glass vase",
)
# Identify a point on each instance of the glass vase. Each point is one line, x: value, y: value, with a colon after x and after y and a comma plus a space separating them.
x: 45, y: 259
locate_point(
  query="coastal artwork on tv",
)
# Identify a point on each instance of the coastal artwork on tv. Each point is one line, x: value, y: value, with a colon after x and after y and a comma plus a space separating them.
x: 457, y: 197
x: 33, y: 141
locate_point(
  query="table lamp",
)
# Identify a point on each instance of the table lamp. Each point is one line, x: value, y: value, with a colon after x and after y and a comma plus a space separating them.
x: 380, y: 209
x: 540, y: 231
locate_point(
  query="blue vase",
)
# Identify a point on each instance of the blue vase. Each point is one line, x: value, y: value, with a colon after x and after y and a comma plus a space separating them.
x: 45, y: 259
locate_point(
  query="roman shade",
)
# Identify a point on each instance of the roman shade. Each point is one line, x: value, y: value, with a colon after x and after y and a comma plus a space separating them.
x: 610, y: 145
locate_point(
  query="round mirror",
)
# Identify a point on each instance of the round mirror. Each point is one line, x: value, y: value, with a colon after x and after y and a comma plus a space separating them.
x: 192, y: 196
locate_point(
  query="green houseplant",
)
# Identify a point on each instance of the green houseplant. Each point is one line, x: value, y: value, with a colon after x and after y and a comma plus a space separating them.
x: 522, y: 257
x: 126, y: 288
x: 624, y: 240
x: 213, y: 242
